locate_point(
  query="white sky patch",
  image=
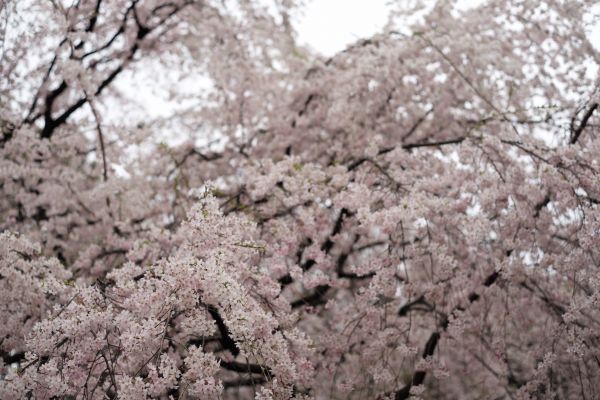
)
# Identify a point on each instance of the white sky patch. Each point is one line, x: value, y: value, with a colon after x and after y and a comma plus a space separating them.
x: 328, y: 26
x: 157, y: 98
x: 592, y: 24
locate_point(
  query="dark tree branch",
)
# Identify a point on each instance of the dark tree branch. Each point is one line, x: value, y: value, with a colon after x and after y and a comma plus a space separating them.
x: 94, y: 17
x: 242, y: 367
x: 309, y: 99
x: 100, y: 139
x: 416, y: 125
x: 489, y: 281
x: 433, y: 144
x: 12, y: 358
x: 325, y: 247
x: 313, y: 299
x: 226, y: 341
x: 419, y: 376
x: 50, y: 123
x: 244, y: 382
x: 538, y: 207
x: 408, y: 307
x: 576, y: 133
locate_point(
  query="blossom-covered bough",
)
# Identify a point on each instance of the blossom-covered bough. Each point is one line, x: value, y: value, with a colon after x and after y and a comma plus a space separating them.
x: 417, y: 216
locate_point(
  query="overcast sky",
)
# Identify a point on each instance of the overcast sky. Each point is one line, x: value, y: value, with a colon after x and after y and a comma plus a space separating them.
x: 329, y: 25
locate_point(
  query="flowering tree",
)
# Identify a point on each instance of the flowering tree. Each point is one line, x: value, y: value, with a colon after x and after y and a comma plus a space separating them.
x: 417, y: 216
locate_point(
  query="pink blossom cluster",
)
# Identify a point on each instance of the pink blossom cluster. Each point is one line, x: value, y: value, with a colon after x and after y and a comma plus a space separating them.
x: 417, y: 216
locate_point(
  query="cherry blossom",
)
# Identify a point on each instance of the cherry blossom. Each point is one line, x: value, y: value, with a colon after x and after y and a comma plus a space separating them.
x: 414, y: 217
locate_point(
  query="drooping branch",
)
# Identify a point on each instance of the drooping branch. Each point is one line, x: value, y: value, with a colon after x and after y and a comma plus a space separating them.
x: 431, y: 344
x: 100, y: 139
